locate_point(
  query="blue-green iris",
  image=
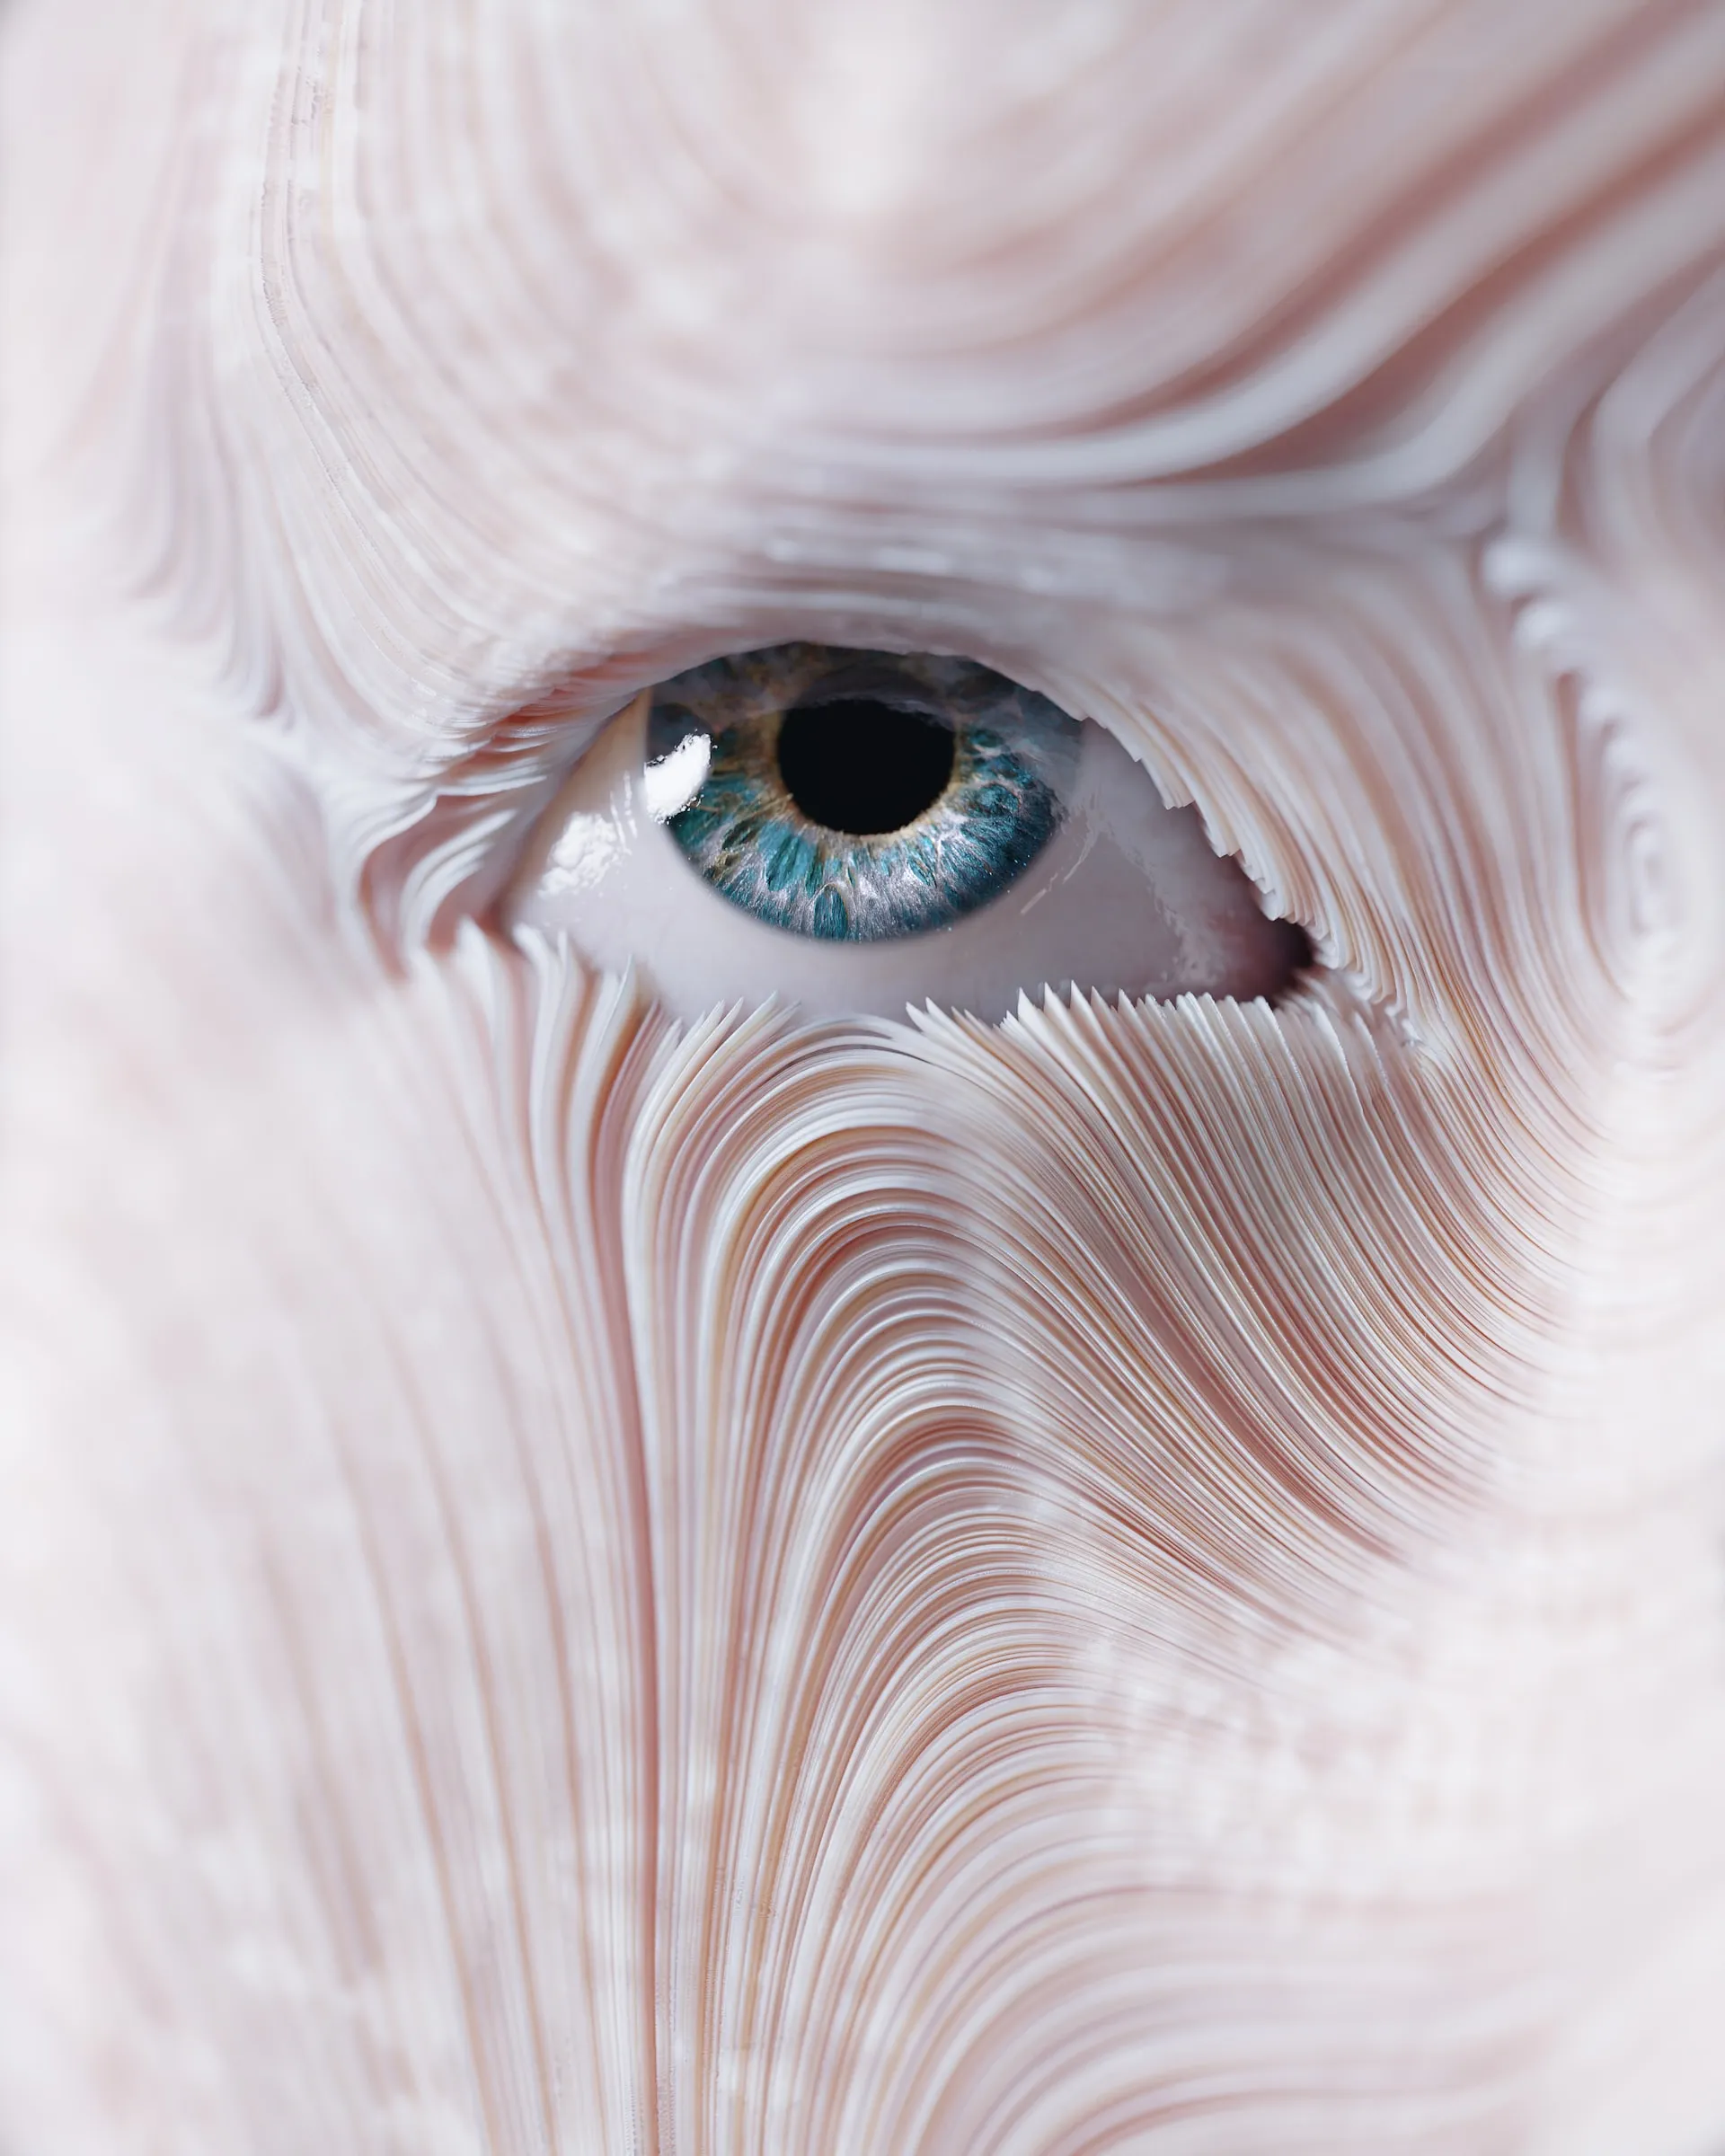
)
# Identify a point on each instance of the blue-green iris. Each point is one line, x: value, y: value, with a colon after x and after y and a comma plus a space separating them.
x: 1013, y: 757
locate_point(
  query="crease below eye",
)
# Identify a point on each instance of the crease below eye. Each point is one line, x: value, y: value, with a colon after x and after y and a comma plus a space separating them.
x: 1127, y: 898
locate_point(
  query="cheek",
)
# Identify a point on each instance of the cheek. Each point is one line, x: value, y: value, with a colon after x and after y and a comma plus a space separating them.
x: 918, y: 1451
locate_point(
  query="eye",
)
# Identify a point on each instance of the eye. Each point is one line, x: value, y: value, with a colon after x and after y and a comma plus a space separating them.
x: 857, y: 831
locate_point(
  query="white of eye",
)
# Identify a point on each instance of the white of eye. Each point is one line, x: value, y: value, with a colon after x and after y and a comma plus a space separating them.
x: 1127, y: 899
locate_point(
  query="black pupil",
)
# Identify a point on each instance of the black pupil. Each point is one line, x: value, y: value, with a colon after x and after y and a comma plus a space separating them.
x: 861, y: 767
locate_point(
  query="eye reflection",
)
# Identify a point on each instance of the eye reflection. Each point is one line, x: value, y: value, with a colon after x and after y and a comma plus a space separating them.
x: 860, y: 796
x: 855, y: 832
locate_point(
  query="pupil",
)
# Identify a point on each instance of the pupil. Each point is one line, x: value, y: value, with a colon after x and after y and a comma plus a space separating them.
x: 859, y: 766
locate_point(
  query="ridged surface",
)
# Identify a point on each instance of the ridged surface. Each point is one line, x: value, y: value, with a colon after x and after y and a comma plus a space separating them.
x: 1145, y: 1580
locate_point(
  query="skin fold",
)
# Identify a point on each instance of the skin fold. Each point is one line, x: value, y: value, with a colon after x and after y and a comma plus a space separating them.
x: 1143, y: 1577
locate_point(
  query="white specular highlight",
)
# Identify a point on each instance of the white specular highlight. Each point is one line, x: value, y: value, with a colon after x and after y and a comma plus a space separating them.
x: 671, y: 782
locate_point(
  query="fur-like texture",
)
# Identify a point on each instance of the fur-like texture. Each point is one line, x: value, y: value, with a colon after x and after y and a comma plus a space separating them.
x: 1142, y: 1579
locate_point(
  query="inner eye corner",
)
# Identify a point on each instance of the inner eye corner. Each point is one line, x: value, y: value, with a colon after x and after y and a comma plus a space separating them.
x: 1297, y: 950
x: 1291, y: 943
x: 1296, y: 954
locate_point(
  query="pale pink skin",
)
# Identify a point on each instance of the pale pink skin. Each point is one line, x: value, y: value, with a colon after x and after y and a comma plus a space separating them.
x: 1129, y: 1581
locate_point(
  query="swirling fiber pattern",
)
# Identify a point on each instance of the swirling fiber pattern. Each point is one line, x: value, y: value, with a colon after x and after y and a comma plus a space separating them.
x: 1142, y: 1579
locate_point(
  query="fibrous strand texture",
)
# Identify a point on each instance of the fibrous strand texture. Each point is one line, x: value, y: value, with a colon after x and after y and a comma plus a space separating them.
x: 1137, y: 1581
